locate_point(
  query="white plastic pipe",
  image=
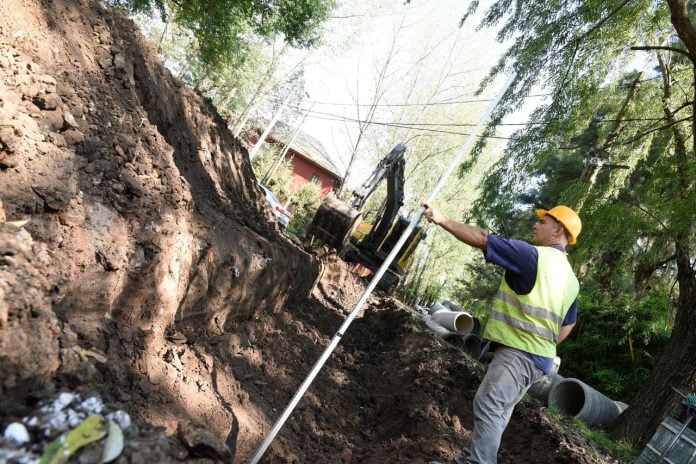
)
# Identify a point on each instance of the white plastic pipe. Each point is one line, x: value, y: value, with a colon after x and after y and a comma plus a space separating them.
x: 435, y: 327
x: 378, y: 275
x: 456, y: 321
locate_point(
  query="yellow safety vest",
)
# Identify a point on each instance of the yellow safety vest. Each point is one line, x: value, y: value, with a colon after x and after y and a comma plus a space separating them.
x: 532, y: 322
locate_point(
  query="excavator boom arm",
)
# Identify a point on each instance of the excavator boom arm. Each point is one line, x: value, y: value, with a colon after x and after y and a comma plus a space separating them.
x: 393, y: 162
x: 335, y: 222
x: 394, y: 173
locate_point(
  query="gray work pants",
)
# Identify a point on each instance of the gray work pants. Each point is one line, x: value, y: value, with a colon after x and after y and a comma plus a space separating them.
x: 506, y: 381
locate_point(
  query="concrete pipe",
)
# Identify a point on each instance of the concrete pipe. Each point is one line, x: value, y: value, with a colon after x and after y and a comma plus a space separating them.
x: 541, y: 388
x: 456, y: 308
x: 620, y: 406
x: 436, y: 307
x: 455, y: 339
x: 459, y: 322
x: 579, y: 401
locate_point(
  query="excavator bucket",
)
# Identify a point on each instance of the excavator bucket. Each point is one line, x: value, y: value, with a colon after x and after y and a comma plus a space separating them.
x: 333, y: 223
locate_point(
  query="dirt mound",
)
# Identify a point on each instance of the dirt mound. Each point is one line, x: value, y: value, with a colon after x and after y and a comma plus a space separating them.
x: 152, y: 276
x: 337, y: 286
x: 27, y: 284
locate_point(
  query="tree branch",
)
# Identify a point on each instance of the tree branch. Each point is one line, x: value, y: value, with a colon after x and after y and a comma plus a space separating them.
x: 685, y: 105
x: 597, y: 25
x: 576, y: 41
x: 643, y: 134
x: 605, y: 19
x: 659, y: 47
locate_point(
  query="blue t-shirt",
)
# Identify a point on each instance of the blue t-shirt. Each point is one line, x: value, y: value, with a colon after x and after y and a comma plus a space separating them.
x: 520, y: 259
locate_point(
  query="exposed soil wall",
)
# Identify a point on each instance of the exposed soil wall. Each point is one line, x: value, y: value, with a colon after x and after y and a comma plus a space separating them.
x: 144, y: 208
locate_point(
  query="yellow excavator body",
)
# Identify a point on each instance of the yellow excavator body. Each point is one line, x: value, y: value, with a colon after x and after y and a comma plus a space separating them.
x: 341, y: 227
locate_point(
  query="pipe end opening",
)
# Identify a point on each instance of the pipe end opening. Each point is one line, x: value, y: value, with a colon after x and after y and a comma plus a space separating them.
x: 464, y: 323
x: 568, y: 397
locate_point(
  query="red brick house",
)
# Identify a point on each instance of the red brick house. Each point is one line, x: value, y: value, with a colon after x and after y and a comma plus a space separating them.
x: 309, y: 159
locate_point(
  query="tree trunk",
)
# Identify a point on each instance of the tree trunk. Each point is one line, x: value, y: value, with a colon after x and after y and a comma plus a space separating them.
x: 265, y: 82
x: 363, y: 124
x: 263, y: 86
x: 675, y: 368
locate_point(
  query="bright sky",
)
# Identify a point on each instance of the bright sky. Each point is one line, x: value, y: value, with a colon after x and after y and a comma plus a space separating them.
x: 427, y: 46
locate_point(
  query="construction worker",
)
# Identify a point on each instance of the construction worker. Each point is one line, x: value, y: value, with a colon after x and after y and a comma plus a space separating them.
x: 534, y: 310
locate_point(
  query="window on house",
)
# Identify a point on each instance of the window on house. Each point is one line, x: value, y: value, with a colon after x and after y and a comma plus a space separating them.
x: 316, y: 179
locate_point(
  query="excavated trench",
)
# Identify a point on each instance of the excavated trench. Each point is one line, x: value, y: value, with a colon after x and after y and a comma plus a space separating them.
x: 151, y: 273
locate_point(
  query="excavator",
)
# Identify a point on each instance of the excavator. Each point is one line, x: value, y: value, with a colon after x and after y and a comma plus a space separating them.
x: 341, y: 226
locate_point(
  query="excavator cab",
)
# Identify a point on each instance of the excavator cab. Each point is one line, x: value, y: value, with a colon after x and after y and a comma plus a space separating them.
x: 341, y: 227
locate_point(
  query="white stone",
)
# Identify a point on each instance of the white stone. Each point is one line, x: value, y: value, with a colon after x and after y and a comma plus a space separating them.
x: 119, y: 60
x: 92, y: 405
x: 121, y: 418
x: 17, y: 432
x: 69, y: 119
x: 62, y: 401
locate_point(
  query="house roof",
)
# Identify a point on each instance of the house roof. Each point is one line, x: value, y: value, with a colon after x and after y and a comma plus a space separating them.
x: 306, y: 146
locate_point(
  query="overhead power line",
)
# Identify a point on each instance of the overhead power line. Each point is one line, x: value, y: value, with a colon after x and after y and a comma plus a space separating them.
x: 334, y: 117
x: 416, y: 125
x: 438, y: 103
x: 408, y: 124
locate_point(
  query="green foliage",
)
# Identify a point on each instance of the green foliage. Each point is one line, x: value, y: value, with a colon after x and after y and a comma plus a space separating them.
x: 222, y: 27
x: 280, y: 182
x: 432, y: 293
x: 264, y: 159
x: 305, y: 202
x: 302, y: 203
x: 614, y: 340
x: 476, y: 289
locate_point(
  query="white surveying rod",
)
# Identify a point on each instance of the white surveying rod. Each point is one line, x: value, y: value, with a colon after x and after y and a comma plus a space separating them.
x: 373, y: 283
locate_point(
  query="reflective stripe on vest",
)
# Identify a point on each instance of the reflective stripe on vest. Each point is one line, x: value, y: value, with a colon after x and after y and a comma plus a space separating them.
x: 532, y: 322
x: 526, y: 326
x: 531, y: 310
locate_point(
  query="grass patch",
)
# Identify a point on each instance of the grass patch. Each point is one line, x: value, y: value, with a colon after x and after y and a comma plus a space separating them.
x: 596, y: 438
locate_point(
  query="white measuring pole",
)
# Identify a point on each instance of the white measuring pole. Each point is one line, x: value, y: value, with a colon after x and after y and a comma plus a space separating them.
x: 378, y: 275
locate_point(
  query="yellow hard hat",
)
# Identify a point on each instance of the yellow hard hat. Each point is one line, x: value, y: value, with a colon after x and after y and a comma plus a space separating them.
x: 568, y: 218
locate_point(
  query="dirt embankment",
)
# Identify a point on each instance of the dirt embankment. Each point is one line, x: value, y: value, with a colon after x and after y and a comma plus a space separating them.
x: 144, y: 218
x: 151, y: 272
